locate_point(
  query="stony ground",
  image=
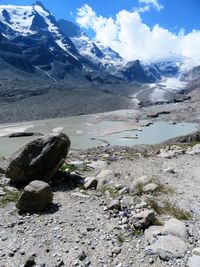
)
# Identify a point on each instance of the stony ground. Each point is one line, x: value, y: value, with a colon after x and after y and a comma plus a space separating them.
x: 83, y: 228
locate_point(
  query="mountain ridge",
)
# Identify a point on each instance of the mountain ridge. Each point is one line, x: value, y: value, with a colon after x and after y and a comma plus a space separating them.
x: 39, y: 56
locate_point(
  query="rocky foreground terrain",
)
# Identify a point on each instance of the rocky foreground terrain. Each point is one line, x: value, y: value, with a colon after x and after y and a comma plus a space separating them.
x: 102, y: 207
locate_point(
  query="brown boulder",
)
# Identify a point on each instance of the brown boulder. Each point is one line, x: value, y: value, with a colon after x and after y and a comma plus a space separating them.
x: 41, y: 157
x: 36, y: 197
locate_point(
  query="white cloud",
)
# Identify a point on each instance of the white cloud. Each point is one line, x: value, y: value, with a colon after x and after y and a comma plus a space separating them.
x: 154, y: 3
x: 132, y: 39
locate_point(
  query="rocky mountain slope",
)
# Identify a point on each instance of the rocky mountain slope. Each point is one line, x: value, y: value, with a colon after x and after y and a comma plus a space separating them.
x: 62, y: 50
x: 41, y: 57
x: 46, y: 44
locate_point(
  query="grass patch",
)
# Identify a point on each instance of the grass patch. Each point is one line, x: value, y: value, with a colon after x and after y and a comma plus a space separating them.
x: 137, y: 232
x: 120, y: 239
x: 161, y: 189
x: 170, y: 209
x: 165, y: 189
x: 71, y: 168
x: 9, y: 197
x: 67, y: 167
x: 157, y: 222
x: 138, y: 189
x: 113, y: 192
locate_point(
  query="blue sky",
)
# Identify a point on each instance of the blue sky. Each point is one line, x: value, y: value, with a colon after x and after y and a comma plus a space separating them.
x: 144, y: 29
x: 175, y: 15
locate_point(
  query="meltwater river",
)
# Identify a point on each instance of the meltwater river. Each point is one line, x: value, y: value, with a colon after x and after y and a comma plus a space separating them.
x: 115, y: 128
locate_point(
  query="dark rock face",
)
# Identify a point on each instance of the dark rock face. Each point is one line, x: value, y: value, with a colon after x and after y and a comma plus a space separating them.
x: 133, y: 71
x: 38, y: 23
x: 39, y: 158
x: 18, y: 61
x: 6, y: 15
x: 36, y: 197
x: 69, y: 28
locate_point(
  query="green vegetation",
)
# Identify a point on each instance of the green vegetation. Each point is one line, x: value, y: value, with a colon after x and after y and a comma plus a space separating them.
x: 137, y: 232
x: 9, y: 197
x: 113, y: 192
x: 139, y: 189
x: 120, y: 239
x: 157, y: 222
x: 161, y: 189
x: 170, y: 209
x: 66, y: 167
x: 165, y: 189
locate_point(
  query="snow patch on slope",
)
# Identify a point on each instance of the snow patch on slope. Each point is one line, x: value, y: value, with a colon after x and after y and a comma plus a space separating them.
x: 167, y: 85
x: 189, y: 64
x: 21, y: 18
x: 96, y: 52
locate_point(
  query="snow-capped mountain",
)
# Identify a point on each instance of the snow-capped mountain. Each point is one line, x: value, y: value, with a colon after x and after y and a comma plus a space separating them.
x: 62, y: 50
x: 96, y: 52
x: 28, y: 20
x: 55, y: 67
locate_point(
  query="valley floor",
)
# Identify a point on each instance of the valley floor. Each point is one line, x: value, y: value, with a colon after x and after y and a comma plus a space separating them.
x: 80, y: 229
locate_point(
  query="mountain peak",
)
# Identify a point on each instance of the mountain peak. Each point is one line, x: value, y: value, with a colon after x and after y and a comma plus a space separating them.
x: 38, y: 3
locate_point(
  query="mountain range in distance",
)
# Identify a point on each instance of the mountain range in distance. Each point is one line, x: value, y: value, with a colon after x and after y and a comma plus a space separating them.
x: 51, y: 68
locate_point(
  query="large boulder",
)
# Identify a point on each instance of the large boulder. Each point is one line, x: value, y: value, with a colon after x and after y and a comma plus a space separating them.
x: 171, y: 227
x: 36, y: 197
x: 39, y: 158
x: 167, y: 247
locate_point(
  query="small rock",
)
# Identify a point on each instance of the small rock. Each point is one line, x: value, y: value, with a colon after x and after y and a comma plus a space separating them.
x: 116, y: 250
x: 194, y: 150
x: 151, y: 261
x: 142, y: 181
x: 141, y: 205
x: 35, y: 197
x: 90, y: 182
x: 196, y: 251
x: 11, y: 254
x: 124, y: 190
x: 97, y: 165
x: 105, y: 174
x: 3, y: 166
x: 103, y: 177
x: 150, y: 187
x: 169, y: 170
x: 2, y: 193
x: 114, y: 205
x: 30, y: 261
x: 82, y: 256
x: 80, y: 195
x: 60, y: 263
x: 143, y: 219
